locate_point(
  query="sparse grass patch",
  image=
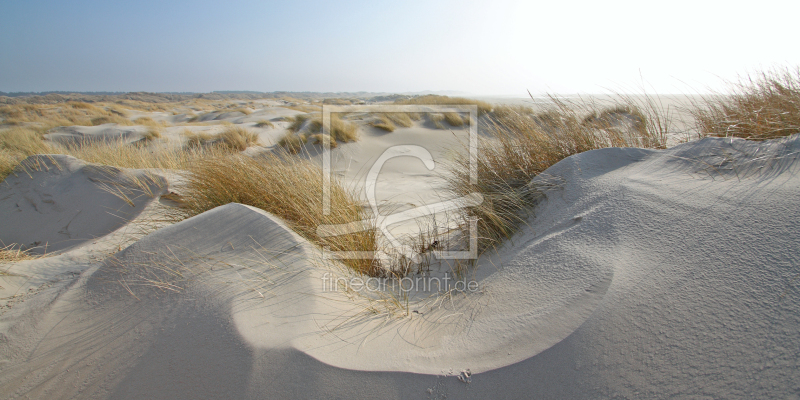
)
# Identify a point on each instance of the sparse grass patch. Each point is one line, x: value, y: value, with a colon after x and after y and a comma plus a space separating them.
x: 110, y: 119
x: 286, y: 186
x: 761, y: 106
x: 264, y: 124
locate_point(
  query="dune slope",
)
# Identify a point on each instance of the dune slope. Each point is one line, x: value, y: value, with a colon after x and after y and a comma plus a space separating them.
x: 643, y: 273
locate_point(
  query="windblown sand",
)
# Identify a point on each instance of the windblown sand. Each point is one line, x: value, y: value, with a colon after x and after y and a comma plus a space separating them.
x: 642, y: 273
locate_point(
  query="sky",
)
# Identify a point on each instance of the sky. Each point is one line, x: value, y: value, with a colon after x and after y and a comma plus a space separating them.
x: 501, y: 47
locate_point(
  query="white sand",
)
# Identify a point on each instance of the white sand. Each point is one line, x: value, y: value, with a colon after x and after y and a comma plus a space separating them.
x: 643, y: 274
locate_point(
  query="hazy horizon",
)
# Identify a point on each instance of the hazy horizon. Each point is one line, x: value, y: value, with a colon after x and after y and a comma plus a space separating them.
x: 505, y: 48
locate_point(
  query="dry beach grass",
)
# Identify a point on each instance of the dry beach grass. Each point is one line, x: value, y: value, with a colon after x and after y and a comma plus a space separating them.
x: 764, y: 105
x: 522, y: 143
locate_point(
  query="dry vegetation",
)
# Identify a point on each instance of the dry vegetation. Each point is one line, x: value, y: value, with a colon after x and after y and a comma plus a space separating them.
x: 13, y: 253
x: 233, y: 138
x: 264, y: 124
x: 524, y: 144
x: 391, y: 120
x: 304, y: 126
x: 286, y: 186
x: 763, y: 106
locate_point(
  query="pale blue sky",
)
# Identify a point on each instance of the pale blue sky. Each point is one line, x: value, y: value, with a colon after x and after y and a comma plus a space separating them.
x: 480, y: 47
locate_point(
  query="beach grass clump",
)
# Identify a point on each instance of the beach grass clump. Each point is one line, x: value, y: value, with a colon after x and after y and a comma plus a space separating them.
x: 243, y: 110
x: 343, y: 131
x: 147, y: 121
x: 238, y: 138
x: 264, y: 124
x: 292, y: 142
x: 454, y: 119
x: 298, y: 120
x: 286, y: 186
x: 404, y: 119
x: 761, y: 106
x: 436, y: 119
x: 304, y: 125
x: 232, y: 138
x: 389, y: 121
x: 320, y: 138
x: 523, y: 144
x: 197, y: 139
x: 384, y: 124
x: 13, y: 253
x: 152, y: 133
x: 111, y: 119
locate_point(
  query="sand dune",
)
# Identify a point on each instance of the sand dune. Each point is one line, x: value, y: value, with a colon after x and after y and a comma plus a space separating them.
x: 644, y: 273
x: 57, y: 202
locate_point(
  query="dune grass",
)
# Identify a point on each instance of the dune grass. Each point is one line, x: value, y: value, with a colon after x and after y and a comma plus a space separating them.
x: 286, y: 186
x: 197, y: 139
x: 524, y: 144
x: 14, y: 253
x: 264, y: 124
x: 147, y: 121
x: 454, y: 119
x: 110, y: 119
x: 243, y: 110
x: 152, y: 133
x: 761, y: 106
x: 16, y: 144
x: 319, y: 138
x: 389, y: 121
x: 44, y: 117
x: 238, y: 138
x: 437, y: 119
x: 304, y: 125
x: 232, y: 138
x: 384, y: 124
x: 292, y: 142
